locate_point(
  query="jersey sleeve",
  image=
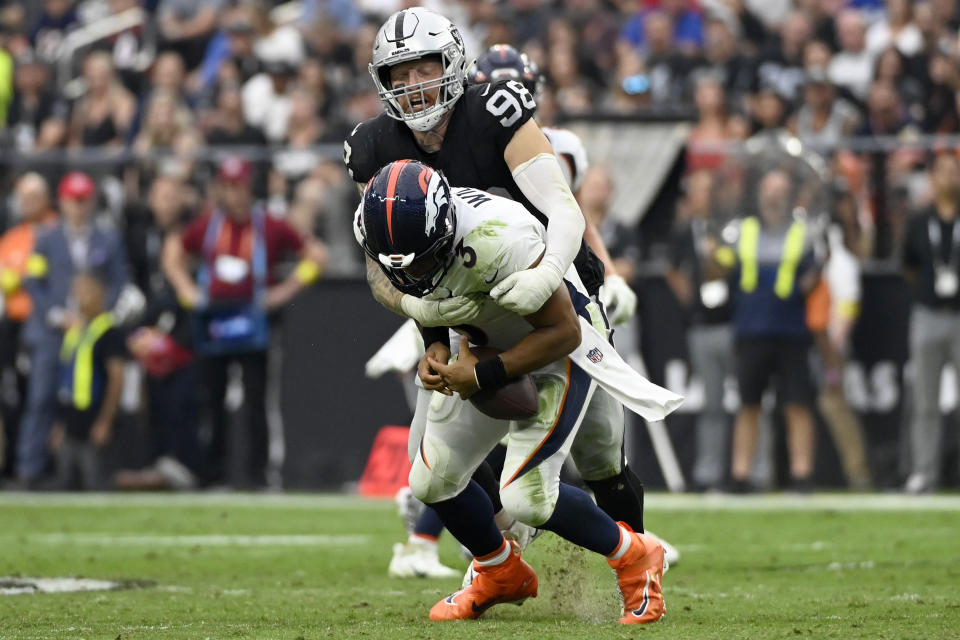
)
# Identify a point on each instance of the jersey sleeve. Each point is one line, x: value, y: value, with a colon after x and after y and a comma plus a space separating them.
x: 359, y: 152
x: 499, y: 109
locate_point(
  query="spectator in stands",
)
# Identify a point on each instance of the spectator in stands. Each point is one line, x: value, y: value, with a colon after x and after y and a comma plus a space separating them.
x: 852, y: 66
x: 162, y: 343
x: 165, y: 119
x: 897, y: 29
x: 37, y: 116
x: 75, y: 244
x: 102, y: 116
x: 723, y: 58
x: 235, y: 42
x: 91, y: 378
x: 133, y: 49
x: 781, y: 65
x: 57, y: 19
x: 892, y: 67
x: 702, y: 288
x: 931, y: 260
x: 167, y: 75
x: 886, y: 115
x: 768, y: 112
x: 823, y: 119
x: 266, y: 96
x: 16, y: 246
x: 238, y: 246
x: 666, y: 67
x: 775, y: 272
x: 712, y: 131
x: 816, y: 55
x: 229, y: 126
x: 687, y: 26
x: 940, y: 104
x: 297, y: 157
x: 186, y: 26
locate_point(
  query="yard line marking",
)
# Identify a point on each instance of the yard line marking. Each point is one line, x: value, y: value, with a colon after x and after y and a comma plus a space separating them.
x: 215, y: 540
x: 655, y: 501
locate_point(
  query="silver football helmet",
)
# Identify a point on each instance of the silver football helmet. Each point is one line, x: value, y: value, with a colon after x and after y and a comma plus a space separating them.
x: 412, y: 34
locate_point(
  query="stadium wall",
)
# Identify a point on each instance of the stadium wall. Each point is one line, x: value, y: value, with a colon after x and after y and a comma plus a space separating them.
x: 332, y: 412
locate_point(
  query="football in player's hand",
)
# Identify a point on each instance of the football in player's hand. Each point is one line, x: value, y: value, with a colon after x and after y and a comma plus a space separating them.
x: 517, y: 400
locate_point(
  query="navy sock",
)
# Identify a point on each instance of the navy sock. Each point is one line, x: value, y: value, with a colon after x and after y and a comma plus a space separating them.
x: 429, y: 524
x: 578, y: 519
x: 469, y: 517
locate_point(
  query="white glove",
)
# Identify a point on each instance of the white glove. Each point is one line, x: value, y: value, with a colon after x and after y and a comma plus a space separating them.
x: 619, y: 299
x: 440, y: 313
x: 525, y: 291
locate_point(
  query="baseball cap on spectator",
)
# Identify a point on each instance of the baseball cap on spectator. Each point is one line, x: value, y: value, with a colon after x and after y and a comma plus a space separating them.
x: 76, y: 185
x: 235, y: 169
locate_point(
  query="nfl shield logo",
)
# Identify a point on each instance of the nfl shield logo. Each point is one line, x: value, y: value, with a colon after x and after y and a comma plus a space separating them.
x: 595, y: 355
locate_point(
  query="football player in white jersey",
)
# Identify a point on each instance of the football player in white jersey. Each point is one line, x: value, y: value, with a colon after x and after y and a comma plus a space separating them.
x: 435, y: 243
x: 598, y: 451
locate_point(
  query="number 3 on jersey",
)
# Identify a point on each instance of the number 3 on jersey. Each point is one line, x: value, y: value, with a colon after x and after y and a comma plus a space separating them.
x: 504, y: 103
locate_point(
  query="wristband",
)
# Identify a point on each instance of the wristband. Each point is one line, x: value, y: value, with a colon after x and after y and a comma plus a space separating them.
x: 490, y: 373
x: 307, y: 271
x: 435, y: 334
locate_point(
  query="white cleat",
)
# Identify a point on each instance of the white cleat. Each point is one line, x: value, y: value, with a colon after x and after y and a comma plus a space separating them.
x: 417, y: 560
x: 670, y: 553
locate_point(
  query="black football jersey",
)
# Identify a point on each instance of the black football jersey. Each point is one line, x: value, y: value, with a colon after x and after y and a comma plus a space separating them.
x: 483, y: 122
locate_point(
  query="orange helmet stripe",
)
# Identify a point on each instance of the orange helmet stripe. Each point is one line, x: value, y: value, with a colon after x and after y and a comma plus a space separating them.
x: 395, y: 172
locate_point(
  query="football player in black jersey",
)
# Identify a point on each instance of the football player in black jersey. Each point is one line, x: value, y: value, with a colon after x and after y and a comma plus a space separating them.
x: 481, y: 136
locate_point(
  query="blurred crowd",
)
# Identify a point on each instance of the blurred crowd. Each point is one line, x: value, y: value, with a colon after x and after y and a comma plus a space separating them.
x: 130, y: 115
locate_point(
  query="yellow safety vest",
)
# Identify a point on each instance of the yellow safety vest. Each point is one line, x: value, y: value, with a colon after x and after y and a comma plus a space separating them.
x: 78, y: 346
x: 792, y: 254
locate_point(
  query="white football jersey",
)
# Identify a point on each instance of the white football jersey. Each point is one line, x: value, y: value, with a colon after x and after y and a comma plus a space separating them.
x: 495, y: 237
x: 570, y: 153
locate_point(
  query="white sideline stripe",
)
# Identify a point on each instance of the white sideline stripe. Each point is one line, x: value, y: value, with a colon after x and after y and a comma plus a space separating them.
x: 655, y: 501
x: 195, y: 541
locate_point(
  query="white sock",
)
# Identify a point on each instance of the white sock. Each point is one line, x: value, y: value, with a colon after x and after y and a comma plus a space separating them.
x: 622, y: 547
x: 497, y: 557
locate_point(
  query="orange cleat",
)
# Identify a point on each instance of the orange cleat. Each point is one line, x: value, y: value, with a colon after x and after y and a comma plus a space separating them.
x: 639, y: 574
x: 511, y: 581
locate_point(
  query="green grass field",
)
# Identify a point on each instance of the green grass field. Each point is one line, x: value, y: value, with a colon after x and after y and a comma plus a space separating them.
x: 303, y: 566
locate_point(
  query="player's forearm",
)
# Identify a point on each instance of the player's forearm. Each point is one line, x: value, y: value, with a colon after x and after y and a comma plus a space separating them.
x: 539, y: 348
x: 382, y: 290
x: 541, y: 181
x: 556, y: 333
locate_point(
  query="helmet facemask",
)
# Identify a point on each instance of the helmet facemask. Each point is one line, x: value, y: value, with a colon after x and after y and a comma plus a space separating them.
x: 436, y: 37
x: 406, y: 224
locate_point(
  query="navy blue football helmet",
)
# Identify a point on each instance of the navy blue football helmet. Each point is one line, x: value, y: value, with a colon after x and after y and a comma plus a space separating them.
x: 407, y: 224
x: 501, y: 61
